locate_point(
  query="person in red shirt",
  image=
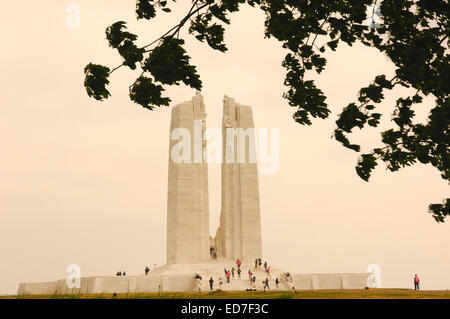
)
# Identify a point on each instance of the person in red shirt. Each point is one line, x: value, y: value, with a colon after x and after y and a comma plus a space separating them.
x: 228, y: 276
x: 416, y: 282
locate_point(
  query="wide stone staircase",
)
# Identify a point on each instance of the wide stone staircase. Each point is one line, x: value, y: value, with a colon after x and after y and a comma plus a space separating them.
x: 218, y: 273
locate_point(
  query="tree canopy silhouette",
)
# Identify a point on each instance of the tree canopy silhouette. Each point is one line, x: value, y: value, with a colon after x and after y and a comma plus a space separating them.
x: 414, y: 35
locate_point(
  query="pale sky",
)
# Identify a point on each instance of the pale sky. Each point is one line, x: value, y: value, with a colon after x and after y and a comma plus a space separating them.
x: 85, y: 182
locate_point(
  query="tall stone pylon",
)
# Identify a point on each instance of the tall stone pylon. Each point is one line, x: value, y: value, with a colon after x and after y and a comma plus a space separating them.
x: 239, y: 233
x: 187, y: 200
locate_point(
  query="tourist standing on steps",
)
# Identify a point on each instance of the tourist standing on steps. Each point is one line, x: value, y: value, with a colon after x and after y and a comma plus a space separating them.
x: 249, y: 275
x: 259, y: 262
x: 211, y: 283
x: 124, y: 274
x: 146, y: 270
x: 239, y: 273
x: 238, y: 263
x: 277, y: 282
x: 268, y: 271
x: 265, y: 266
x: 198, y: 282
x: 266, y: 283
x: 228, y: 277
x: 226, y: 271
x: 232, y: 272
x: 220, y: 284
x: 416, y: 282
x: 256, y: 263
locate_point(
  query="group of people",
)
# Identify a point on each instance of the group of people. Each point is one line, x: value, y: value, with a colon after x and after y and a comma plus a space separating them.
x: 258, y: 263
x: 230, y: 274
x: 147, y: 270
x: 252, y: 277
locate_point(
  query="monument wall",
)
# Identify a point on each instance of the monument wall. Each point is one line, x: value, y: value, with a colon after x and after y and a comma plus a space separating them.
x: 187, y: 200
x: 239, y: 233
x: 184, y: 281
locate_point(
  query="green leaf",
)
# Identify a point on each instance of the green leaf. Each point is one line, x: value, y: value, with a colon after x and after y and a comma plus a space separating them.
x: 340, y: 137
x: 333, y: 44
x: 213, y: 34
x: 440, y: 211
x: 96, y: 79
x: 374, y: 119
x: 131, y: 54
x: 351, y: 117
x: 365, y: 165
x: 169, y: 64
x: 144, y: 92
x: 145, y: 9
x: 318, y: 62
x: 116, y: 36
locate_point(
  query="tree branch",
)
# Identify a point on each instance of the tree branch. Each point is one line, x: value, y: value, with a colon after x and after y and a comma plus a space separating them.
x: 177, y: 28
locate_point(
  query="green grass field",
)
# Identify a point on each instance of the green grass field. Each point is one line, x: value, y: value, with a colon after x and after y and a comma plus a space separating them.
x: 303, y: 294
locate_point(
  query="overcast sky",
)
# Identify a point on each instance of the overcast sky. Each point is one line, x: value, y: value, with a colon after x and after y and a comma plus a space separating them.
x: 85, y: 182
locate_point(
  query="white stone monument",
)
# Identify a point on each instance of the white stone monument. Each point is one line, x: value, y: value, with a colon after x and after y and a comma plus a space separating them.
x: 187, y: 197
x: 239, y: 233
x: 188, y: 240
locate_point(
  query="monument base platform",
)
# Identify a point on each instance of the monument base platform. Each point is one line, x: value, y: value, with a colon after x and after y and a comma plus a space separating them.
x: 181, y: 277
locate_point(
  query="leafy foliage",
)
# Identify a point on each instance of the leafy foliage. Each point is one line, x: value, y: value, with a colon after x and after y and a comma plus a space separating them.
x: 365, y: 165
x: 145, y: 9
x: 123, y: 42
x: 116, y: 37
x: 414, y: 35
x: 147, y: 94
x: 96, y: 79
x: 213, y: 34
x: 169, y: 64
x: 440, y: 211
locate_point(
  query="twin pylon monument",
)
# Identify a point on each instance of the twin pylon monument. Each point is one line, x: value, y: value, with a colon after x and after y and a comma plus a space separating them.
x: 191, y: 251
x: 239, y: 233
